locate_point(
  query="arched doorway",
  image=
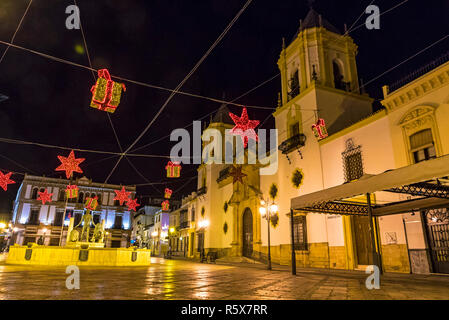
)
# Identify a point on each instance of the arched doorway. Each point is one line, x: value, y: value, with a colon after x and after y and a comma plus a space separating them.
x: 247, y: 249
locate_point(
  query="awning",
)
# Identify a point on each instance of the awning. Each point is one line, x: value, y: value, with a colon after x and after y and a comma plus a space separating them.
x: 419, y: 180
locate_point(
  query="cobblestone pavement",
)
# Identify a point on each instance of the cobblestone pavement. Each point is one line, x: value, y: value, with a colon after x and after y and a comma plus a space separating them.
x: 178, y: 279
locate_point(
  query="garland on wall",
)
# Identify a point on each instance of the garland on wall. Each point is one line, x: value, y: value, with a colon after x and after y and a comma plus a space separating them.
x: 225, y: 227
x: 273, y: 191
x: 297, y: 178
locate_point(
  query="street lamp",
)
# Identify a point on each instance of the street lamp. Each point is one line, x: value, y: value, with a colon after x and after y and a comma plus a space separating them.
x: 266, y: 211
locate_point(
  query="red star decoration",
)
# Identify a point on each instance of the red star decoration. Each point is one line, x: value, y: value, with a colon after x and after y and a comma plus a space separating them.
x: 70, y: 164
x: 5, y: 180
x: 237, y: 174
x: 122, y: 195
x: 244, y: 127
x: 44, y: 196
x: 132, y: 204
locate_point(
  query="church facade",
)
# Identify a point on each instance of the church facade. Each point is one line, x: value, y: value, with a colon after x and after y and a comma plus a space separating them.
x: 321, y: 88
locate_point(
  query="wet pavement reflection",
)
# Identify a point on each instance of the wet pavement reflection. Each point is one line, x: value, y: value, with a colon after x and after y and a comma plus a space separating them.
x: 185, y: 280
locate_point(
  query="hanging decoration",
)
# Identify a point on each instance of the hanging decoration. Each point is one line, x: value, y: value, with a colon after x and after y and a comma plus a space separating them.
x: 173, y: 169
x: 168, y: 193
x: 225, y: 227
x: 273, y: 191
x: 122, y: 196
x: 106, y: 93
x: 132, y: 204
x: 297, y: 178
x: 44, y: 196
x: 91, y: 203
x: 319, y: 129
x: 274, y: 219
x: 237, y: 174
x: 165, y: 205
x: 244, y: 127
x: 5, y: 180
x: 225, y: 207
x: 70, y: 164
x: 71, y: 191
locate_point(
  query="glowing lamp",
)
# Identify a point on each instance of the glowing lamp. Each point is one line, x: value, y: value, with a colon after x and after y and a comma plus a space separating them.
x: 15, y: 229
x: 172, y: 230
x: 2, y: 225
x: 274, y: 208
x: 154, y: 234
x: 263, y: 211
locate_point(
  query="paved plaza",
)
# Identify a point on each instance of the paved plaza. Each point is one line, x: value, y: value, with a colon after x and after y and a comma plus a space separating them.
x: 179, y: 279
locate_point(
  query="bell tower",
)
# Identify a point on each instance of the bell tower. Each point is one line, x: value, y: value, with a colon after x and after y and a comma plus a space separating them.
x: 322, y: 60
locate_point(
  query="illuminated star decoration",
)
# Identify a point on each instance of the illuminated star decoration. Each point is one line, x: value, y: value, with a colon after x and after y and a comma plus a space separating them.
x: 237, y: 174
x: 70, y: 164
x: 44, y: 196
x: 122, y: 195
x: 244, y: 127
x: 5, y: 180
x: 132, y: 204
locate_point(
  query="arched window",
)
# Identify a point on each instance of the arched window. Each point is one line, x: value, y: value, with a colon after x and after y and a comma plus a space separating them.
x: 293, y: 85
x: 338, y: 76
x: 81, y: 197
x: 42, y: 190
x: 34, y: 193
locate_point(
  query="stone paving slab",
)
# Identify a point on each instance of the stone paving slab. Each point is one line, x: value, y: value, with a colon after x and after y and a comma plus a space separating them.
x: 186, y: 280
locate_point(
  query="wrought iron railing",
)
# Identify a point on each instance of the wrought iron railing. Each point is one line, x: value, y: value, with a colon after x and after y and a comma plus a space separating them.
x: 223, y: 174
x: 184, y: 225
x: 293, y: 143
x: 201, y: 191
x: 419, y: 72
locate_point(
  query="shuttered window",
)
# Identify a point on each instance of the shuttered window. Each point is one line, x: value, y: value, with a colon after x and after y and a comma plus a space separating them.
x: 422, y: 146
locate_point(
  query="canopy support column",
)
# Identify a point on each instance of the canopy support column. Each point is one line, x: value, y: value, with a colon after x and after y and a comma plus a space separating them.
x: 375, y: 253
x: 293, y: 243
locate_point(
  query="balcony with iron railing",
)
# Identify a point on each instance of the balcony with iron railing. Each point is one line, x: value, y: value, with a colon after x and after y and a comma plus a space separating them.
x: 223, y: 174
x: 295, y: 142
x: 201, y: 191
x: 184, y: 225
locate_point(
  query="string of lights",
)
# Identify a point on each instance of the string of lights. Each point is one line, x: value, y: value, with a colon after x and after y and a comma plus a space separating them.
x: 172, y: 94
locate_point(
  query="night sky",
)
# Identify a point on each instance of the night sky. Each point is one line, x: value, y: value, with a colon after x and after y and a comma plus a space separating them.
x: 158, y: 42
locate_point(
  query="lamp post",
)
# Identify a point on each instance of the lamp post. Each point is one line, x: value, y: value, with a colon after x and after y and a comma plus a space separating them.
x: 267, y: 211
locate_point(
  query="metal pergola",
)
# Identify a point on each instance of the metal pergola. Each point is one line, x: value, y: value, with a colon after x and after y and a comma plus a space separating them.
x: 425, y: 183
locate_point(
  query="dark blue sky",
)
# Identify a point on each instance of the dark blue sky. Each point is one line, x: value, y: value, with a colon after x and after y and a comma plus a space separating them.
x: 158, y: 42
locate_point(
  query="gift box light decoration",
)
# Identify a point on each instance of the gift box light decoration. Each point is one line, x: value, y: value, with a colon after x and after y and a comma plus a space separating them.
x: 173, y: 169
x: 165, y: 205
x: 319, y: 129
x: 106, y: 93
x: 91, y: 203
x: 168, y: 193
x: 71, y: 192
x: 5, y: 180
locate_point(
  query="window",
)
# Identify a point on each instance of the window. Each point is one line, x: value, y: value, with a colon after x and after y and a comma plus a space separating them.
x: 96, y: 218
x: 352, y: 161
x: 118, y: 222
x: 61, y: 196
x: 58, y: 218
x: 81, y: 197
x: 293, y: 85
x: 192, y: 214
x: 34, y: 194
x: 34, y: 217
x: 300, y: 232
x: 99, y: 199
x: 200, y: 241
x: 354, y: 168
x: 422, y: 146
